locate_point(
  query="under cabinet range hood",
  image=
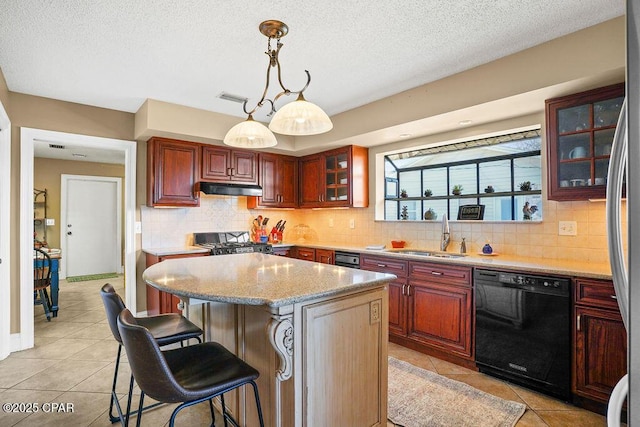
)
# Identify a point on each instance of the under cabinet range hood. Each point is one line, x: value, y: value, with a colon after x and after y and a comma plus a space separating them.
x: 229, y: 189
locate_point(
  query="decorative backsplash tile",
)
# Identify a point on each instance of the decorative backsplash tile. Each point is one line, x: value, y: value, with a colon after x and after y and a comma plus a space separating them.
x: 173, y: 228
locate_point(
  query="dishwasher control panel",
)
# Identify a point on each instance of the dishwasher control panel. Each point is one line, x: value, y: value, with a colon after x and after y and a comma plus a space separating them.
x: 555, y: 285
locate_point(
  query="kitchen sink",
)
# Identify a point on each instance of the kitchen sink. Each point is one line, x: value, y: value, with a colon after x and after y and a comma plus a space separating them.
x: 434, y: 254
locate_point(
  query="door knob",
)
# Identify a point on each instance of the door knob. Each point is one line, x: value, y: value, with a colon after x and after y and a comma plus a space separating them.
x: 68, y: 233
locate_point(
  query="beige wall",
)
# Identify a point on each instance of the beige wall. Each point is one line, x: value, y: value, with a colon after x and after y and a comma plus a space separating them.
x: 43, y: 113
x: 4, y: 91
x: 47, y: 175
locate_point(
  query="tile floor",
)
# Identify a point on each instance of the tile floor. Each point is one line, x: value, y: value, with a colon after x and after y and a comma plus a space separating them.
x: 73, y: 361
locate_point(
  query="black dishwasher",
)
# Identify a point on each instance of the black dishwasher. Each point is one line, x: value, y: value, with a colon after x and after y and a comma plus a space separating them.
x: 523, y: 330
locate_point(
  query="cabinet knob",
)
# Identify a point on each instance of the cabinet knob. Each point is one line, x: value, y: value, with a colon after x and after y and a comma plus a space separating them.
x: 436, y: 273
x: 578, y: 322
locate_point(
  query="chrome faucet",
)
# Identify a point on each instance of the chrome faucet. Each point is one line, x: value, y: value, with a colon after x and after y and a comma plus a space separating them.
x: 444, y: 242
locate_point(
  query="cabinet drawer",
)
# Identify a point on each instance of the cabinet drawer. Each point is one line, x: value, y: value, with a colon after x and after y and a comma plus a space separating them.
x: 308, y: 254
x: 385, y: 265
x: 440, y: 273
x: 598, y: 293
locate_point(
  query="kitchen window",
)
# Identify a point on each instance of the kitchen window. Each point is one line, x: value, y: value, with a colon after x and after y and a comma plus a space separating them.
x: 502, y: 173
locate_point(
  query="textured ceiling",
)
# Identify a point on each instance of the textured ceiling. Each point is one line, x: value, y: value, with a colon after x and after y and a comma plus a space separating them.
x: 117, y: 53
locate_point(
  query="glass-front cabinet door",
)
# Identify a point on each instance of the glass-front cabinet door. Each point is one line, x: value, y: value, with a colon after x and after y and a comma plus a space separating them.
x: 580, y: 130
x: 337, y: 178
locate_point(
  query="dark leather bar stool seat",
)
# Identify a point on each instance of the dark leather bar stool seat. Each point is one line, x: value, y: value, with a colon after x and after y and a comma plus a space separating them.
x: 166, y: 329
x: 189, y: 375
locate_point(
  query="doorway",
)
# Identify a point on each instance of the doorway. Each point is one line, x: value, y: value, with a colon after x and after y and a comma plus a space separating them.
x: 5, y: 230
x: 28, y: 138
x: 90, y: 217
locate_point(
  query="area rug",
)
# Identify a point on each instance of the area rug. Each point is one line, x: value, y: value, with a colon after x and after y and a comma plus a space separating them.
x: 420, y: 398
x: 91, y: 277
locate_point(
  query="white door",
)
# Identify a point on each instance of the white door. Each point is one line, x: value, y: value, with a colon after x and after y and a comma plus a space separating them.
x: 90, y: 214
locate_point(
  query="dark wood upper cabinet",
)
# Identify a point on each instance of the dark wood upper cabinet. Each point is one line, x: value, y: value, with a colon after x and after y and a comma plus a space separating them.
x: 580, y: 131
x: 220, y: 164
x: 335, y: 178
x: 278, y: 176
x: 172, y: 171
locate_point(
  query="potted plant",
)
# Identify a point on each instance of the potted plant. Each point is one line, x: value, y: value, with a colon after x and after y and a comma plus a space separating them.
x: 403, y: 193
x: 457, y: 189
x: 525, y: 186
x: 428, y: 192
x: 430, y: 214
x: 404, y: 215
x: 489, y: 189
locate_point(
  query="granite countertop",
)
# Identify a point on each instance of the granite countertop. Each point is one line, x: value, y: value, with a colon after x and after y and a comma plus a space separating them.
x: 257, y: 279
x: 528, y: 264
x: 178, y: 250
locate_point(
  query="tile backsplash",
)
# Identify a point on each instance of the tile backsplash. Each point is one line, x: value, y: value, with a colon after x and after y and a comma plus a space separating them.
x: 173, y: 228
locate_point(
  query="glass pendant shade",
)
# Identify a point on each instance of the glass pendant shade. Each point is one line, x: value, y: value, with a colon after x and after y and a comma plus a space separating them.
x: 250, y: 134
x: 300, y: 117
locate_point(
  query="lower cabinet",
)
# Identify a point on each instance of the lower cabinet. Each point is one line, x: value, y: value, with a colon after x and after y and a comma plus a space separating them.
x: 430, y: 307
x: 159, y: 302
x: 600, y: 340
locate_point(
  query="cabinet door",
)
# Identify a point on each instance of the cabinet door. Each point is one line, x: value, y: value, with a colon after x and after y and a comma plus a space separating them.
x: 244, y: 167
x: 172, y: 171
x: 344, y: 355
x: 337, y: 178
x: 279, y: 181
x: 288, y: 182
x: 440, y: 316
x: 309, y: 181
x: 580, y: 131
x: 600, y: 352
x: 397, y: 308
x: 216, y: 163
x: 324, y: 256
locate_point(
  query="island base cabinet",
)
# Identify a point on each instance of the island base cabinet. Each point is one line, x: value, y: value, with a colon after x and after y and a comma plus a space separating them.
x: 344, y: 361
x: 338, y: 366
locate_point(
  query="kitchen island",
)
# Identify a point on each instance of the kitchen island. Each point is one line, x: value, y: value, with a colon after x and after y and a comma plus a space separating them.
x: 317, y: 333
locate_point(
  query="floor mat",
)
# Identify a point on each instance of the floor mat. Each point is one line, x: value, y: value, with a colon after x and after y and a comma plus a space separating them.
x: 91, y: 277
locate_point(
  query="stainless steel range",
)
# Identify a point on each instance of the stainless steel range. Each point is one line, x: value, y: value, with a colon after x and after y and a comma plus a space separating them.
x: 230, y: 242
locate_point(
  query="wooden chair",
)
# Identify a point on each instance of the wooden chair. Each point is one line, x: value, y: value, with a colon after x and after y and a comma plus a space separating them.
x: 42, y: 280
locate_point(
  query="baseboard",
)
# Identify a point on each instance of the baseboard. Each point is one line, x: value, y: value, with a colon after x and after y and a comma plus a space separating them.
x: 15, y: 343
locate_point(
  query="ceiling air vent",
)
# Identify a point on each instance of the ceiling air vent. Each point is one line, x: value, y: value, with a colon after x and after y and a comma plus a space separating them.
x: 58, y: 146
x: 233, y: 98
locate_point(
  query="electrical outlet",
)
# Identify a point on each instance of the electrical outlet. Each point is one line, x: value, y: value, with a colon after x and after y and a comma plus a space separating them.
x: 352, y: 223
x: 138, y: 227
x: 50, y: 221
x: 567, y: 228
x: 330, y: 222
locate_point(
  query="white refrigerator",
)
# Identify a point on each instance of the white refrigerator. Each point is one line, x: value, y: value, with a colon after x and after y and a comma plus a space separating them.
x: 625, y: 266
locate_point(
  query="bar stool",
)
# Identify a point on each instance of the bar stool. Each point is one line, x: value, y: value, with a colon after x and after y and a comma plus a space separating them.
x: 166, y: 329
x: 189, y: 375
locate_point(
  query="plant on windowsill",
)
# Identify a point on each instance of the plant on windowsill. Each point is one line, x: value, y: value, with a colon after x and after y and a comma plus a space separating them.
x: 457, y: 189
x: 525, y: 186
x: 427, y: 193
x: 430, y: 214
x: 489, y: 189
x: 404, y: 215
x: 403, y: 193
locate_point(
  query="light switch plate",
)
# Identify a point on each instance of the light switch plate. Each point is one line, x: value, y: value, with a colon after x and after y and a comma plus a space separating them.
x: 50, y: 221
x: 138, y: 227
x: 330, y: 222
x: 352, y: 223
x: 567, y: 228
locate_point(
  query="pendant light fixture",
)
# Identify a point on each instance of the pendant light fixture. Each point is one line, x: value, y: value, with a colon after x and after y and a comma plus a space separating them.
x: 297, y: 118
